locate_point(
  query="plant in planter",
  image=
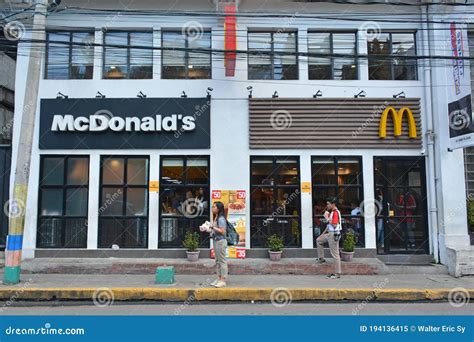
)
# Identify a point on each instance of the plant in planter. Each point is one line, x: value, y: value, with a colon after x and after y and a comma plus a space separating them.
x: 348, y: 247
x: 275, y: 245
x: 191, y: 243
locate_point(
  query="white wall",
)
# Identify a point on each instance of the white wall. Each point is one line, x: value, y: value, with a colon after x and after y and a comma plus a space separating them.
x: 229, y: 113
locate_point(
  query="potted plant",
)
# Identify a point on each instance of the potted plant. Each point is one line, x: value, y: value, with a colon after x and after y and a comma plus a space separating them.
x: 191, y: 243
x: 348, y: 247
x: 275, y: 245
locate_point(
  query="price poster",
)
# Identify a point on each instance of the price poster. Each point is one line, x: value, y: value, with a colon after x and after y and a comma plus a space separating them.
x: 235, y: 208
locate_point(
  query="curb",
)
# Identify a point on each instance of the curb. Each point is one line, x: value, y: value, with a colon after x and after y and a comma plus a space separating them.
x: 233, y: 294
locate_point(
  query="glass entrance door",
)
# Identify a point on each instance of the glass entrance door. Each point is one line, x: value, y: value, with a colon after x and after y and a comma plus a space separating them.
x: 400, y: 194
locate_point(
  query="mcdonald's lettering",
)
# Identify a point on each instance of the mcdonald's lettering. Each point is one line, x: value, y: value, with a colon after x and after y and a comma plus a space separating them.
x: 397, y: 118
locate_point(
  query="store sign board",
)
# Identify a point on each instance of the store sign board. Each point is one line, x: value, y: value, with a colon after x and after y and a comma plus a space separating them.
x: 460, y: 118
x: 306, y: 187
x: 125, y: 123
x: 397, y: 119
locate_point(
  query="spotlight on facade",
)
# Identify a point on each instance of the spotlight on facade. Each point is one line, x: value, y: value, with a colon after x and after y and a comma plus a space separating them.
x: 141, y: 95
x: 400, y: 95
x: 250, y: 89
x: 209, y: 91
x: 360, y: 94
x: 275, y: 95
x: 183, y: 94
x: 99, y: 95
x: 61, y: 96
x: 319, y: 93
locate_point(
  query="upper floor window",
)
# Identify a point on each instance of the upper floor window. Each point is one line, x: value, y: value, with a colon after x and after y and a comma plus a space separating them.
x: 186, y: 56
x: 397, y: 67
x: 69, y: 55
x: 272, y: 56
x: 128, y: 55
x: 329, y: 44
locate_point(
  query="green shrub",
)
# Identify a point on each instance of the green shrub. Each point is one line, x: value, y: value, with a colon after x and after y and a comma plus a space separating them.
x: 275, y: 243
x: 349, y: 242
x: 191, y: 241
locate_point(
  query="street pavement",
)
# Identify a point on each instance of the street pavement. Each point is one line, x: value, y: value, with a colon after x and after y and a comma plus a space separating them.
x: 388, y: 281
x: 248, y: 308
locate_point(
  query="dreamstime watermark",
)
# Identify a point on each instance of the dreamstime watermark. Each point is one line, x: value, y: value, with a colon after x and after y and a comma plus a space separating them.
x: 281, y: 119
x: 192, y: 207
x: 15, y: 296
x: 14, y: 208
x: 198, y: 111
x: 102, y: 297
x: 371, y: 297
x: 458, y: 297
x: 191, y: 298
x: 14, y: 30
x: 193, y: 30
x: 377, y: 112
x: 370, y: 207
x: 372, y: 30
x: 281, y: 297
x: 281, y: 208
x: 47, y: 329
x: 459, y: 119
x: 110, y: 199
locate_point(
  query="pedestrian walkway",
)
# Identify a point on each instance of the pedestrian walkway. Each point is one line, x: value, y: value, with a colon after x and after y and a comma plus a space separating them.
x: 409, y: 287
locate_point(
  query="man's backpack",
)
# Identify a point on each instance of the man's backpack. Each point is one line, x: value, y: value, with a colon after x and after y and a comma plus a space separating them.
x: 231, y: 235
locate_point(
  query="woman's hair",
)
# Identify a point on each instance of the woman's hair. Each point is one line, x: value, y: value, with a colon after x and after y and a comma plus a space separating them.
x: 220, y: 208
x: 332, y: 200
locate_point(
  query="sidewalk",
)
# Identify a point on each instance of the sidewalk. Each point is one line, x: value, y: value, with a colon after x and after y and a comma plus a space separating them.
x: 390, y: 287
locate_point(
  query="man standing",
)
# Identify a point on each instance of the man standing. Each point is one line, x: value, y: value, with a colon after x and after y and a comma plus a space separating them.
x: 331, y: 235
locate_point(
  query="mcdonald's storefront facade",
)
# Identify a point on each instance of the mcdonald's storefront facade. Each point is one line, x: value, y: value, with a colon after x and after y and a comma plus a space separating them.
x: 274, y: 161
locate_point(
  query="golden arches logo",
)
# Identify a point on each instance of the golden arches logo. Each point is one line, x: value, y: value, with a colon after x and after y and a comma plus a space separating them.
x: 397, y: 118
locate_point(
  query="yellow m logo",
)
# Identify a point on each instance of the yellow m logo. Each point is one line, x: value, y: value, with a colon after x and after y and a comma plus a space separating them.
x: 397, y: 118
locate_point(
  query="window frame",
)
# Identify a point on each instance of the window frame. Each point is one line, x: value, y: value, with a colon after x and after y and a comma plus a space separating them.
x: 186, y: 54
x: 125, y: 186
x: 337, y: 187
x: 63, y: 187
x: 392, y: 56
x: 129, y: 47
x: 356, y: 51
x: 204, y: 243
x: 275, y: 187
x: 272, y: 32
x: 70, y: 48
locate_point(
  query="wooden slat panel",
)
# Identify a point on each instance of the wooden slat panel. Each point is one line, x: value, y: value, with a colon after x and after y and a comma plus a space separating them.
x: 328, y: 123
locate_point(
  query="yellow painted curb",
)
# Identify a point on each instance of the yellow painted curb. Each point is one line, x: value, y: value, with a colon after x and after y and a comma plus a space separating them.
x: 230, y: 293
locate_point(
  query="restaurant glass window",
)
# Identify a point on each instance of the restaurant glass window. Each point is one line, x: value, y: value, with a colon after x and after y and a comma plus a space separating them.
x: 339, y: 177
x: 184, y: 199
x: 63, y: 202
x: 400, y: 193
x: 327, y: 67
x: 389, y: 56
x: 272, y: 56
x: 123, y: 205
x: 186, y: 55
x: 275, y: 200
x: 69, y: 55
x: 128, y: 55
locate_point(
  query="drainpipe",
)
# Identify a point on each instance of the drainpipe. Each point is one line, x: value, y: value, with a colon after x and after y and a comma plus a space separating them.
x: 430, y: 135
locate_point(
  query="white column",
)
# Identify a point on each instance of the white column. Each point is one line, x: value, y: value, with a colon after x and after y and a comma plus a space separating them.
x: 93, y: 208
x: 98, y: 53
x: 306, y: 203
x: 303, y: 48
x: 153, y: 217
x: 368, y: 203
x: 157, y: 54
x: 362, y: 50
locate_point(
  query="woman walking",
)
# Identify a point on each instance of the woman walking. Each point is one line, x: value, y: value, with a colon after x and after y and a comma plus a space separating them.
x: 218, y: 230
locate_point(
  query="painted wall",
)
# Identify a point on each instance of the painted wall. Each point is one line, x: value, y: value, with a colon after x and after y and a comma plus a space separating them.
x: 229, y: 113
